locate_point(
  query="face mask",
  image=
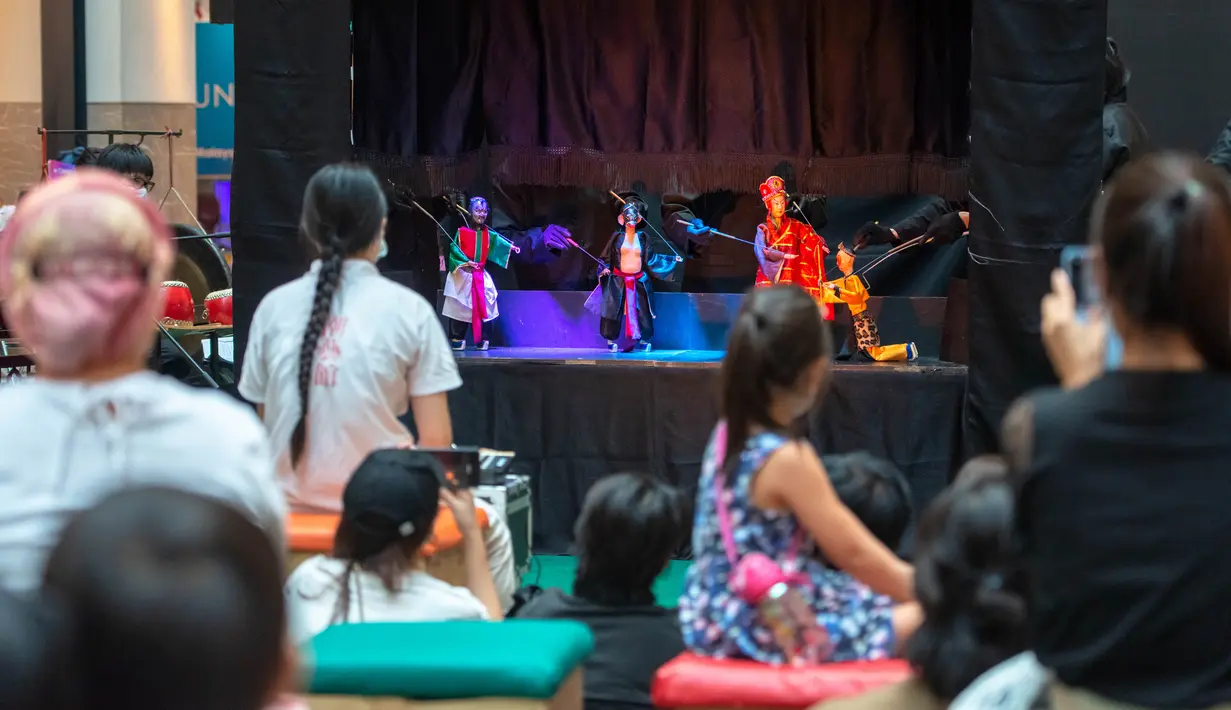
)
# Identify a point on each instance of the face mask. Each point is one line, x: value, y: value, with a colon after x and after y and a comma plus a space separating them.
x: 384, y: 249
x: 142, y: 192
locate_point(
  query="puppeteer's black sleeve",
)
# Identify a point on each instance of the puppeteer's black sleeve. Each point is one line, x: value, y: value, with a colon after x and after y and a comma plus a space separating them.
x: 660, y: 264
x: 916, y: 224
x: 515, y: 219
x: 677, y: 214
x: 814, y: 208
x: 1124, y: 137
x: 528, y: 239
x: 1220, y: 154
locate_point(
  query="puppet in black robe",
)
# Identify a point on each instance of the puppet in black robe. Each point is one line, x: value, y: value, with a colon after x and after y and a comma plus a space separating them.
x: 620, y: 315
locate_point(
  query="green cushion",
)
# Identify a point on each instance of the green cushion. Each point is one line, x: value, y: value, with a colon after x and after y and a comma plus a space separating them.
x: 448, y: 659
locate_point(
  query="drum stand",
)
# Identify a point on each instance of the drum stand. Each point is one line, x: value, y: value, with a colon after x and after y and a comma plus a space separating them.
x: 188, y: 356
x: 171, y: 190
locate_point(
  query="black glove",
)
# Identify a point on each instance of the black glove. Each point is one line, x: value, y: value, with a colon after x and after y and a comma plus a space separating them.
x: 817, y: 214
x: 872, y: 234
x: 945, y: 229
x: 458, y: 199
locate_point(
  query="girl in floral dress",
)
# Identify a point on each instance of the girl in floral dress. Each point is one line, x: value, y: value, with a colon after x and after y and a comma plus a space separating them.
x: 776, y: 494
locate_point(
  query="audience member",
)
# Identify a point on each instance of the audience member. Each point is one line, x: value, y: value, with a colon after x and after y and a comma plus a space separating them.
x: 875, y: 491
x: 629, y: 528
x: 377, y: 571
x: 171, y: 601
x: 331, y: 388
x: 763, y: 492
x: 29, y: 653
x: 80, y: 269
x: 1125, y: 472
x: 129, y: 161
x: 970, y: 584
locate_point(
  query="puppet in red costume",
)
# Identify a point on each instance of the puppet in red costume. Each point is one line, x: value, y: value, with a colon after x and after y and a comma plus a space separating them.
x: 789, y: 251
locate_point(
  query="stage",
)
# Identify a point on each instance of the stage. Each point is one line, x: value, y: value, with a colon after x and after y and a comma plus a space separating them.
x: 574, y: 415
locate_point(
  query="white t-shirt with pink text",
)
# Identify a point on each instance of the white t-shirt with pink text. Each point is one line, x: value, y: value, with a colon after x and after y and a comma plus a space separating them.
x: 382, y: 344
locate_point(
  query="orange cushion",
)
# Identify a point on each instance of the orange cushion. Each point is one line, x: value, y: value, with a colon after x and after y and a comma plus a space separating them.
x: 689, y: 680
x: 313, y: 532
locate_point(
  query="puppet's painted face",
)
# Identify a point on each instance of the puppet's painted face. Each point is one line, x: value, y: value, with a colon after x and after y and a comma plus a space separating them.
x: 478, y: 209
x: 777, y: 206
x: 846, y: 261
x: 630, y: 215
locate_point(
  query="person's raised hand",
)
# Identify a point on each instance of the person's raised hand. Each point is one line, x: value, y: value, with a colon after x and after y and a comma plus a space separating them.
x: 1075, y: 345
x: 461, y: 503
x: 556, y: 237
x: 872, y: 233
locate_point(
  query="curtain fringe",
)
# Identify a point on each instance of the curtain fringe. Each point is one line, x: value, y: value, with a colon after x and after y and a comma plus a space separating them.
x: 673, y: 174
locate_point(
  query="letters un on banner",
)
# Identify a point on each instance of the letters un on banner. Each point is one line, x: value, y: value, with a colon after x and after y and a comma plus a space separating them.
x: 215, y: 99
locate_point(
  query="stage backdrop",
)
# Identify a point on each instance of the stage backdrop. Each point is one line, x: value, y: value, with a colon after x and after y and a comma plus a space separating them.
x: 867, y: 97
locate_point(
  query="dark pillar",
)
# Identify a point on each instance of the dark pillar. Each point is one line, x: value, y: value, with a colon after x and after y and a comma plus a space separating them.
x: 292, y: 68
x: 1036, y: 164
x: 64, y: 71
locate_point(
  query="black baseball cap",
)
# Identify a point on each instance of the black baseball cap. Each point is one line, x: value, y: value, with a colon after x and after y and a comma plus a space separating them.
x: 392, y: 496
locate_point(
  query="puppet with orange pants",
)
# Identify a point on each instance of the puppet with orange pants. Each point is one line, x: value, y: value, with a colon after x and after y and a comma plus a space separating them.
x: 787, y: 250
x: 851, y: 290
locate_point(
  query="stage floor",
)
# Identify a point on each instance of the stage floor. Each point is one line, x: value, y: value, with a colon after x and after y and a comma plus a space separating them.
x: 576, y: 415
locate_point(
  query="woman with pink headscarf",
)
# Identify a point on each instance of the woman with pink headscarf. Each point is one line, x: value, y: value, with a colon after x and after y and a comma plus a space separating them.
x: 81, y: 265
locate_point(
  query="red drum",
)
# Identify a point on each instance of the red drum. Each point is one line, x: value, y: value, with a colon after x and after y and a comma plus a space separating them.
x: 178, y: 309
x: 218, y: 307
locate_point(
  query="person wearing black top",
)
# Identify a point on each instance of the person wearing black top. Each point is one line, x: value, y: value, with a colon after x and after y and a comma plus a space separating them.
x: 1125, y: 475
x: 629, y: 528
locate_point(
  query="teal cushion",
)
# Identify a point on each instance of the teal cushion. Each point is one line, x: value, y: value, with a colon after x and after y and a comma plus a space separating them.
x: 448, y: 659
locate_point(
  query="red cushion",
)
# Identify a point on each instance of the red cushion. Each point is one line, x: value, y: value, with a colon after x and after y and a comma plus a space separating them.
x: 689, y: 680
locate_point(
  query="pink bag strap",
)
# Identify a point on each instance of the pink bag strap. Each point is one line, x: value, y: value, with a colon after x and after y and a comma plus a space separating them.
x: 720, y: 506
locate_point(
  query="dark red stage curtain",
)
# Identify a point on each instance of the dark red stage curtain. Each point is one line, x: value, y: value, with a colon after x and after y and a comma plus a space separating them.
x: 862, y: 97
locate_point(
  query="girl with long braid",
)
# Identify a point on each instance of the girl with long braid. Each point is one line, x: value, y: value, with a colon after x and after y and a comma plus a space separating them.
x: 336, y: 356
x: 331, y: 386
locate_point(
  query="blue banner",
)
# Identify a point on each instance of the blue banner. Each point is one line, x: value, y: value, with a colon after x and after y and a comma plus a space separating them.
x: 215, y: 99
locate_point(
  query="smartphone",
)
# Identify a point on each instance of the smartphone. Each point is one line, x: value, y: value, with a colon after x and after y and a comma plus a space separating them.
x: 459, y: 467
x: 1078, y: 263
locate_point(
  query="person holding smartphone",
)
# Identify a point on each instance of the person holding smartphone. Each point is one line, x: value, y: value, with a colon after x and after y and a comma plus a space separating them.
x: 1131, y: 464
x: 376, y: 572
